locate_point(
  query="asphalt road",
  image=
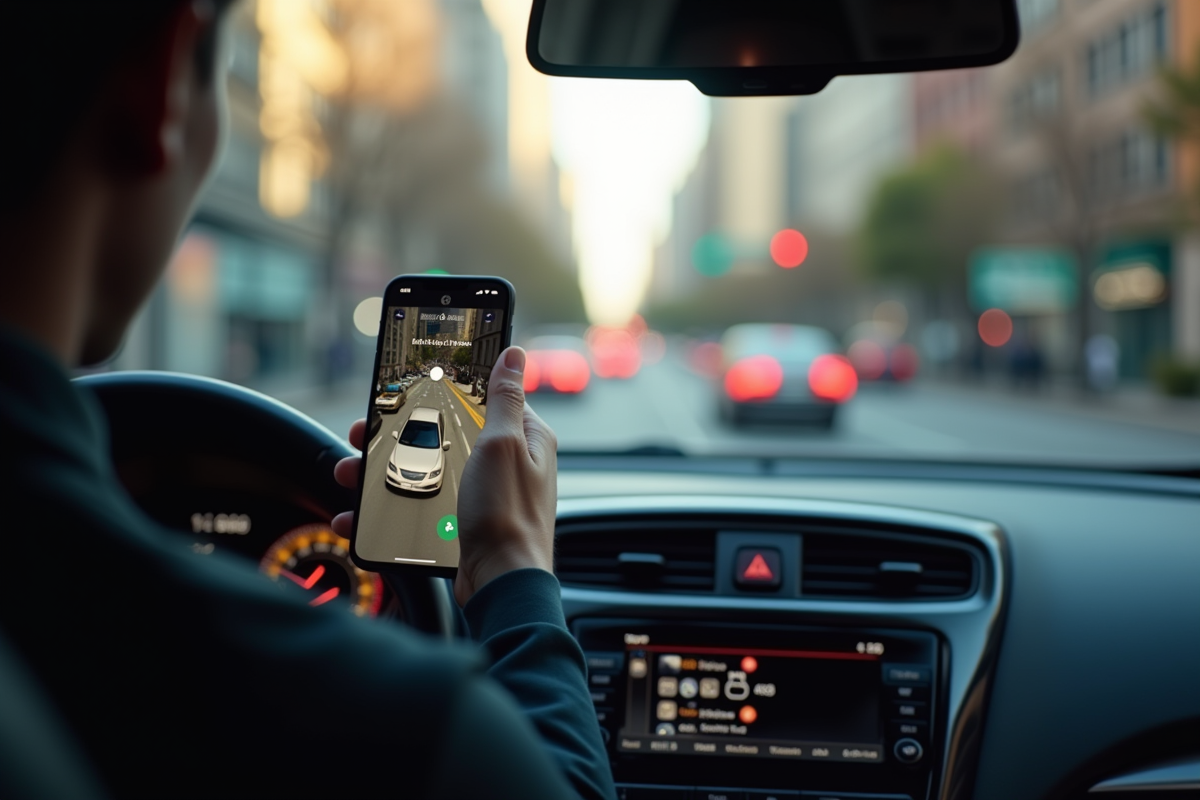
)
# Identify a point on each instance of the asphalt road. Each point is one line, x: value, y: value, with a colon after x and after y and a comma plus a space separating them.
x: 667, y: 405
x: 403, y: 526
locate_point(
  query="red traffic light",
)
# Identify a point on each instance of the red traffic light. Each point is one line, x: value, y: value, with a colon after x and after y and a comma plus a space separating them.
x: 789, y: 248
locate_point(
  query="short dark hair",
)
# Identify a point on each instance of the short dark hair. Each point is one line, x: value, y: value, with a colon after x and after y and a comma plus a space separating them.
x: 54, y: 56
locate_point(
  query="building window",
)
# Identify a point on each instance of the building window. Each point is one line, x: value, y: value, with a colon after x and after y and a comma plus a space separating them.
x: 1127, y: 52
x: 1035, y: 197
x: 1131, y: 164
x: 1034, y: 100
x: 1036, y: 13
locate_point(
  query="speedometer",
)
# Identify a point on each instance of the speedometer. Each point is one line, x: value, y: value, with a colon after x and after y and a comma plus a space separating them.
x: 318, y: 561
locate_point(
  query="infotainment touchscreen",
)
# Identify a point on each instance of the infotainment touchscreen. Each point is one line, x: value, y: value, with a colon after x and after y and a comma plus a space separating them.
x: 754, y: 702
x: 810, y: 694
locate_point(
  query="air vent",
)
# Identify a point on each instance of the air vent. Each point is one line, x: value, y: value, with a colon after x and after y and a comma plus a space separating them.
x: 664, y: 559
x: 885, y: 568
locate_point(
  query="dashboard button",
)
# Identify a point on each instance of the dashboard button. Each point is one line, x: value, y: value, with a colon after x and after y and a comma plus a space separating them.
x: 909, y: 730
x: 758, y: 568
x: 909, y: 693
x: 718, y: 794
x: 600, y: 679
x: 600, y: 698
x: 908, y: 709
x: 604, y: 662
x: 646, y: 792
x: 914, y: 674
x: 908, y: 751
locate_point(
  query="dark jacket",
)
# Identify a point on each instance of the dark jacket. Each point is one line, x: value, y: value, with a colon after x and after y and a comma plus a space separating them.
x: 190, y: 675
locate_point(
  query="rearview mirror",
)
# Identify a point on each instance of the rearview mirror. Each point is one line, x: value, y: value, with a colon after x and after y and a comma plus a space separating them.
x: 766, y: 47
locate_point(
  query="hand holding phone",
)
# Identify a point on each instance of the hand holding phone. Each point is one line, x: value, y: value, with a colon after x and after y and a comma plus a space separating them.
x: 509, y: 492
x: 439, y: 339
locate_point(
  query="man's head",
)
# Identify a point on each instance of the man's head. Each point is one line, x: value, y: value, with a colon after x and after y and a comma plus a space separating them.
x: 115, y: 118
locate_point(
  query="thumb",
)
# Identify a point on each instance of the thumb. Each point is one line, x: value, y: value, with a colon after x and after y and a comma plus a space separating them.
x: 506, y: 390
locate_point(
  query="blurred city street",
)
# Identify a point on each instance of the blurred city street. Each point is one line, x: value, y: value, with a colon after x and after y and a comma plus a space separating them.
x: 666, y: 405
x: 975, y: 243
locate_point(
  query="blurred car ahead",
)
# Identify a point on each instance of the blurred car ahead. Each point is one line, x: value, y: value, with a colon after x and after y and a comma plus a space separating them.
x: 556, y: 364
x: 877, y: 355
x: 791, y: 374
x: 615, y: 352
x: 391, y: 398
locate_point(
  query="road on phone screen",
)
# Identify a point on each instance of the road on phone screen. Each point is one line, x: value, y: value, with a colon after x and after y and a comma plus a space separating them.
x: 404, y: 525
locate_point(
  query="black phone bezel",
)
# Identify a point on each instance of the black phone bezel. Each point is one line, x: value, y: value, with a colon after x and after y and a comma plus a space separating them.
x: 392, y: 296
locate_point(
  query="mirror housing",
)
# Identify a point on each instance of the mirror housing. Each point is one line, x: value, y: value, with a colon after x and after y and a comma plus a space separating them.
x: 396, y: 435
x: 446, y: 446
x: 765, y: 47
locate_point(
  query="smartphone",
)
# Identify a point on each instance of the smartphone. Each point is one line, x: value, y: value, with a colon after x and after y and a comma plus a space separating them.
x: 439, y: 337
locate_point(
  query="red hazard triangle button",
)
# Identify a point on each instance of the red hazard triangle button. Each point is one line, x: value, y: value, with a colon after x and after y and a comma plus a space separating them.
x: 758, y: 568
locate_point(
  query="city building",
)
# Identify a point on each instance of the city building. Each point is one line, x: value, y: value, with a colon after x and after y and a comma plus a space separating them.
x: 475, y: 70
x: 953, y: 107
x: 840, y: 141
x: 1090, y: 181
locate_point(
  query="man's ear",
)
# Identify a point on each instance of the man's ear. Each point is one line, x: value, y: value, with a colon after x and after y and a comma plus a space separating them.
x: 150, y: 92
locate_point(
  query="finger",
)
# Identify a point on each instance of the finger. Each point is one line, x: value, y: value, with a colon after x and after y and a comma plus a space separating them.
x: 343, y: 523
x: 358, y: 433
x: 542, y: 442
x: 506, y: 393
x: 346, y: 472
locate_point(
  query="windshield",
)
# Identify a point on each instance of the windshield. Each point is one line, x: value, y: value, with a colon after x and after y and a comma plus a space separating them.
x: 420, y: 434
x: 991, y: 264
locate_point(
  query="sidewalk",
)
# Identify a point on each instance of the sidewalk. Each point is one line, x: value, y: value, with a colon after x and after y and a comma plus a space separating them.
x: 1131, y: 405
x: 465, y: 390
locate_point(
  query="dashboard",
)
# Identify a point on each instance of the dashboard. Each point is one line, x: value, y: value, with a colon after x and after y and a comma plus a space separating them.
x: 754, y: 630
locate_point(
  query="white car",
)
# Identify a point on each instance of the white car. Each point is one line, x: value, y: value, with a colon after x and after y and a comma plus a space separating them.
x: 418, y: 460
x: 389, y: 401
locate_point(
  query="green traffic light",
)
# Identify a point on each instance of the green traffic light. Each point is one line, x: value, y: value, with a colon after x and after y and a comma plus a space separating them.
x: 712, y: 255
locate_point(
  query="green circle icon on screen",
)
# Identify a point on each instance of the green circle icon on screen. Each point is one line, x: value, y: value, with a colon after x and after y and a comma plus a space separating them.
x: 447, y: 527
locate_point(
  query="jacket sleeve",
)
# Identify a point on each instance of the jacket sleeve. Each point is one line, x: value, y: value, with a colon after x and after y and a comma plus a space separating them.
x: 518, y: 617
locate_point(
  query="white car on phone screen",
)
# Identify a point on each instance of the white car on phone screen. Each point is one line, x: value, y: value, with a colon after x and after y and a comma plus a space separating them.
x: 418, y: 459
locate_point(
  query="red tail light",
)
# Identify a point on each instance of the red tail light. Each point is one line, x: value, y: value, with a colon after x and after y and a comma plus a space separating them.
x: 754, y: 378
x: 561, y: 370
x: 533, y: 372
x: 569, y: 372
x: 615, y: 352
x: 904, y: 362
x: 832, y: 378
x: 869, y: 359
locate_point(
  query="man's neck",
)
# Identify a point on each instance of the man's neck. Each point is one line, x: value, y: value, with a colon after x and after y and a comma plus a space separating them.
x: 50, y: 253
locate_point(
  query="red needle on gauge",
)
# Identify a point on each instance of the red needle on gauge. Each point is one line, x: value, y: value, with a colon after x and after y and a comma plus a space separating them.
x: 305, y: 583
x: 322, y: 599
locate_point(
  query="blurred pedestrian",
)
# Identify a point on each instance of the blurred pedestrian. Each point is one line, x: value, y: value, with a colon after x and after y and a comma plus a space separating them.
x: 1102, y: 356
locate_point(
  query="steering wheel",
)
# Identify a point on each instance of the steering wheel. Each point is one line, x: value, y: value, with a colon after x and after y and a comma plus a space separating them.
x: 178, y: 438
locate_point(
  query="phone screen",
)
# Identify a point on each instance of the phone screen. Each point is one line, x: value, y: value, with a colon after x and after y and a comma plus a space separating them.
x: 428, y: 406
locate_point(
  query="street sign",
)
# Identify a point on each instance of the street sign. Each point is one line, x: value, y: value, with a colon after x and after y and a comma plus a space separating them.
x: 1022, y: 280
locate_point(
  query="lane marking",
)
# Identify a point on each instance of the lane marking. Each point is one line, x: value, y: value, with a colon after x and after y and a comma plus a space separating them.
x: 456, y: 419
x: 463, y: 434
x: 374, y: 444
x: 417, y: 560
x: 471, y: 412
